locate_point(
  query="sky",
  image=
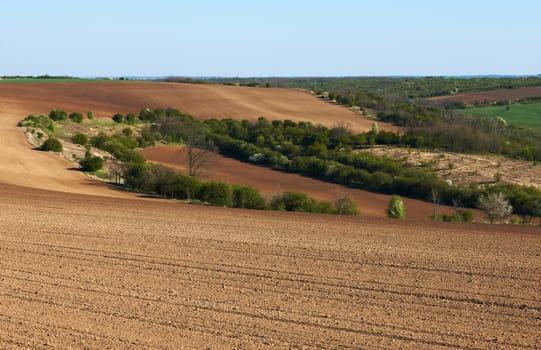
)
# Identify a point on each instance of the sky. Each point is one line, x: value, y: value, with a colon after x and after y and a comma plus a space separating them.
x: 249, y: 38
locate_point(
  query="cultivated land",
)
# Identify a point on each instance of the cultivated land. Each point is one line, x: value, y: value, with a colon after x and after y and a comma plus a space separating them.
x: 85, y: 266
x: 490, y: 95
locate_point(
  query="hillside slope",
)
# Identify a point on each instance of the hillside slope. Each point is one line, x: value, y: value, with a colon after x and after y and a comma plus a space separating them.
x: 22, y: 166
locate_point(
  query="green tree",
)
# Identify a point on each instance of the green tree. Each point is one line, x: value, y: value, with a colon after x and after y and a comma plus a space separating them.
x: 58, y: 115
x: 119, y: 118
x: 52, y: 144
x: 396, y: 209
x: 91, y: 163
x: 76, y: 117
x: 80, y: 139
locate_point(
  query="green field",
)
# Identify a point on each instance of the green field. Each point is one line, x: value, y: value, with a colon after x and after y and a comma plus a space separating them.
x: 523, y: 115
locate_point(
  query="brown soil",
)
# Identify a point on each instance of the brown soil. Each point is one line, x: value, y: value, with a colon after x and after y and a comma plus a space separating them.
x: 270, y: 182
x: 97, y: 272
x: 202, y: 101
x: 104, y: 272
x: 491, y: 95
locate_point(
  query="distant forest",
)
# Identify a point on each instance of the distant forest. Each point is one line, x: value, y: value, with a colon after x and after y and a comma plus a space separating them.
x: 404, y: 87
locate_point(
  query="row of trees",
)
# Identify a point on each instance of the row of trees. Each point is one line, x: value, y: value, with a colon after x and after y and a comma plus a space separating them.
x: 168, y: 183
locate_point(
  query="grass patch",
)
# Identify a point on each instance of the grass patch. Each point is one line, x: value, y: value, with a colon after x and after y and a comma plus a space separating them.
x: 100, y: 174
x: 527, y: 115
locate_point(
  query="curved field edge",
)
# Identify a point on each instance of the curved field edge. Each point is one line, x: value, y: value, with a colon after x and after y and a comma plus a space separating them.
x: 270, y: 182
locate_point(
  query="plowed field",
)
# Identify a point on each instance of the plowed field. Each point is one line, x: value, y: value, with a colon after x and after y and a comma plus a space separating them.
x: 202, y: 101
x: 87, y: 272
x: 491, y: 95
x: 83, y: 266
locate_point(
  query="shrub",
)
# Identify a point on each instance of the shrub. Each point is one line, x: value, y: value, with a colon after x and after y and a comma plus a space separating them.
x: 119, y: 118
x: 127, y: 131
x: 515, y: 220
x: 324, y: 207
x: 51, y: 144
x: 396, y: 209
x: 58, y: 115
x: 136, y: 175
x: 217, y: 193
x: 291, y: 201
x: 247, y: 197
x: 495, y: 206
x: 184, y: 186
x: 90, y: 115
x: 79, y: 139
x: 39, y: 121
x: 90, y: 163
x: 467, y: 216
x: 345, y: 205
x: 76, y: 117
x: 131, y: 118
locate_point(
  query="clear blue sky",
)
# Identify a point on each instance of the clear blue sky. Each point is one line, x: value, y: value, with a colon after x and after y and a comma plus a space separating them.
x: 270, y: 37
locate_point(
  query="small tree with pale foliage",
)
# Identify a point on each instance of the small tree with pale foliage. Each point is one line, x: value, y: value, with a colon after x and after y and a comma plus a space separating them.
x: 345, y: 205
x: 495, y: 206
x: 375, y: 128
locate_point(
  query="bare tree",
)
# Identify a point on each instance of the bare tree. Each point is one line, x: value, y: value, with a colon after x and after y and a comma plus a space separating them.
x: 495, y: 206
x: 200, y: 150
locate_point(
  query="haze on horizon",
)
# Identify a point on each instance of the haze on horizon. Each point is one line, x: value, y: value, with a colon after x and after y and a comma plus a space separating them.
x: 266, y: 38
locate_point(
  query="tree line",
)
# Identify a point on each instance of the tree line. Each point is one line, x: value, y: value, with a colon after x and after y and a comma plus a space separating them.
x: 329, y: 154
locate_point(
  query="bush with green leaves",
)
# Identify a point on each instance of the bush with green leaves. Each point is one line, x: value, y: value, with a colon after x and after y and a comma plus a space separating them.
x: 130, y: 118
x: 79, y: 139
x: 346, y: 205
x: 119, y: 145
x: 58, y: 115
x: 298, y: 201
x: 39, y: 121
x: 118, y: 118
x: 291, y: 201
x: 76, y: 117
x: 52, y: 144
x: 127, y: 131
x: 216, y: 193
x: 91, y: 163
x: 247, y: 197
x: 457, y: 216
x: 467, y: 215
x: 90, y: 115
x: 397, y: 209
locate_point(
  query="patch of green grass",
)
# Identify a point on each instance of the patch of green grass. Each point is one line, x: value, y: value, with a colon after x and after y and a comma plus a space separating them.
x: 523, y: 115
x: 100, y: 173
